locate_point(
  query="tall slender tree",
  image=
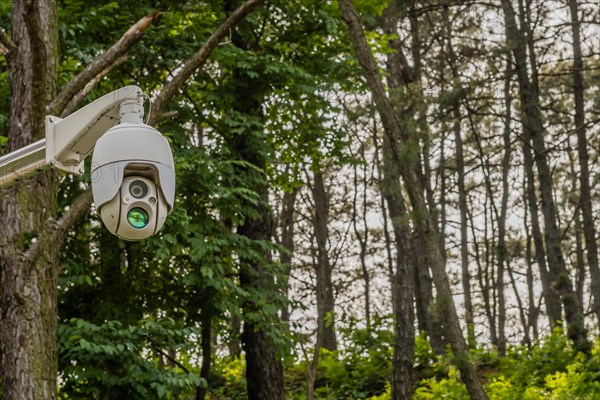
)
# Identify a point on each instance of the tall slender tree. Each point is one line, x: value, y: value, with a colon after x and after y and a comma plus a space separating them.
x: 585, y: 198
x: 326, y: 338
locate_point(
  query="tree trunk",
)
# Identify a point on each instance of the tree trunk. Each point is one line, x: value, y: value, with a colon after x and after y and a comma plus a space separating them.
x: 362, y: 238
x: 534, y: 135
x: 550, y: 296
x: 404, y: 159
x: 404, y: 276
x: 484, y: 284
x: 325, y: 300
x: 286, y: 224
x: 526, y: 339
x: 264, y: 368
x: 402, y: 284
x: 460, y: 183
x: 501, y: 248
x: 29, y: 269
x: 401, y: 73
x: 585, y: 197
x: 464, y: 242
x: 533, y: 307
x: 206, y: 345
x: 233, y: 345
x: 428, y: 320
x: 580, y: 276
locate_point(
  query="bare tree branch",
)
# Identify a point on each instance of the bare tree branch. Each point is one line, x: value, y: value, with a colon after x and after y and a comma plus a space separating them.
x: 173, y: 86
x: 59, y: 229
x: 174, y: 361
x: 104, y: 61
x: 79, y: 97
x: 69, y: 218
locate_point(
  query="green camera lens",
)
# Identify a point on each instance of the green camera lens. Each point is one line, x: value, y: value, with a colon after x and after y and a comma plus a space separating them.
x: 137, y: 218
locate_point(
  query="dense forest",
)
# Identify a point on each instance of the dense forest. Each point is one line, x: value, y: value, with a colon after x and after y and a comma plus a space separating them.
x: 376, y: 199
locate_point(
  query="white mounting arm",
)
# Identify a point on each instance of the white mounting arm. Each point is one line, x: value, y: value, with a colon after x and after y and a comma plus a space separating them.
x: 69, y: 140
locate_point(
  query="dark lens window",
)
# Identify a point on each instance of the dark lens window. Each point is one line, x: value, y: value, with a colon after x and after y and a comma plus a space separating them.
x: 138, y: 189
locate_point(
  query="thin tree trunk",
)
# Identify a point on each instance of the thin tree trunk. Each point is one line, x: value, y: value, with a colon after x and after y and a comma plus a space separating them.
x: 206, y: 345
x: 501, y: 248
x: 464, y: 241
x: 286, y: 224
x: 397, y: 138
x: 526, y: 339
x: 402, y: 288
x: 362, y: 238
x: 233, y: 345
x: 325, y: 300
x: 482, y: 277
x: 585, y: 198
x: 462, y: 193
x: 533, y: 308
x: 264, y: 368
x: 429, y: 320
x: 579, y: 259
x: 578, y: 263
x: 550, y: 296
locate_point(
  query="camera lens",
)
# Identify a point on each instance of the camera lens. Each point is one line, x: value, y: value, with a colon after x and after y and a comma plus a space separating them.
x: 137, y: 218
x: 138, y: 189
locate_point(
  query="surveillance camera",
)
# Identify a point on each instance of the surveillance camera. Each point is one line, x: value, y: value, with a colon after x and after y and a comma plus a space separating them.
x: 133, y: 179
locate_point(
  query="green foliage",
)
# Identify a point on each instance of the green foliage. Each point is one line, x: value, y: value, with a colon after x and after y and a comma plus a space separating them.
x: 532, y: 367
x: 115, y: 361
x: 230, y: 375
x: 550, y: 370
x: 274, y: 99
x: 446, y: 388
x: 361, y: 370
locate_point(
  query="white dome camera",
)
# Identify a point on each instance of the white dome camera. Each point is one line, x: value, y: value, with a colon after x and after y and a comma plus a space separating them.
x: 133, y: 176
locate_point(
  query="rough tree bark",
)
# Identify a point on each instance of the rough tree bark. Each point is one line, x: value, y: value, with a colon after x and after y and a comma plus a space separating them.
x: 395, y: 132
x: 28, y: 280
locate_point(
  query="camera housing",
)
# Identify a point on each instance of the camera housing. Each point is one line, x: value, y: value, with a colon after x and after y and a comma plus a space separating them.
x: 133, y: 176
